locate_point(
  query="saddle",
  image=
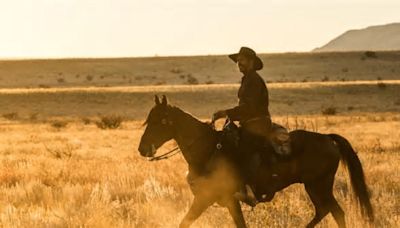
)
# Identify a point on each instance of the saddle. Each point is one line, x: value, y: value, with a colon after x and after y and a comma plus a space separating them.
x: 280, y: 138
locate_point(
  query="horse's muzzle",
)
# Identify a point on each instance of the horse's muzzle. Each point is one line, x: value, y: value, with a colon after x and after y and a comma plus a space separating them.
x: 147, y: 150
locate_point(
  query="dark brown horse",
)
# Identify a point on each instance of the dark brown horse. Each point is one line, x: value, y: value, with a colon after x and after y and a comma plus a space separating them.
x: 213, y: 176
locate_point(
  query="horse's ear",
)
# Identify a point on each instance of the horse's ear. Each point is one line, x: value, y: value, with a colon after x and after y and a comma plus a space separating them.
x: 156, y: 100
x: 164, y: 100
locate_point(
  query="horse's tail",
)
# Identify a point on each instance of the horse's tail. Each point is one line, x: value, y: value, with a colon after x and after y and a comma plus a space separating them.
x: 351, y: 160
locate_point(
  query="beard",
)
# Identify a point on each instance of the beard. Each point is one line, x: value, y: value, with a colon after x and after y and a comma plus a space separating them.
x: 242, y: 68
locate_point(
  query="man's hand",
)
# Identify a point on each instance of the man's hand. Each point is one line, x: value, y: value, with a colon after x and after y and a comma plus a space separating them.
x: 218, y: 115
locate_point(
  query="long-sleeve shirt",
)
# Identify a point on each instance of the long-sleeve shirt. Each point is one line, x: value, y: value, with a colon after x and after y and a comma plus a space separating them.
x: 253, y: 99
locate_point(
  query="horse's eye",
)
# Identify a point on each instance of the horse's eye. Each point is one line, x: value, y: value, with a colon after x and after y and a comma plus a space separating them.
x: 164, y: 121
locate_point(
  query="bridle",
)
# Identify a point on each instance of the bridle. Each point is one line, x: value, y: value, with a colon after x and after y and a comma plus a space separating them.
x: 167, y: 155
x: 176, y: 150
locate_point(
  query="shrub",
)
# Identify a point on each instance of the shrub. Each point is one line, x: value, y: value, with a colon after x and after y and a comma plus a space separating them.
x: 325, y: 79
x: 86, y: 120
x: 209, y: 82
x: 11, y: 116
x: 89, y: 78
x: 370, y: 54
x: 160, y: 83
x: 109, y: 122
x: 60, y: 80
x: 33, y: 116
x: 43, y: 86
x: 329, y: 111
x: 191, y: 80
x: 58, y: 124
x: 176, y: 71
x: 381, y: 85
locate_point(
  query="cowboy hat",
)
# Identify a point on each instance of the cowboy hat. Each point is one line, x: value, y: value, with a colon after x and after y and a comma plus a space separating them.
x: 248, y: 52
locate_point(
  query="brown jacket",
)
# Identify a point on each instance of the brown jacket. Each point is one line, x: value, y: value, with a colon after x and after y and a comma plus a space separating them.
x: 253, y: 99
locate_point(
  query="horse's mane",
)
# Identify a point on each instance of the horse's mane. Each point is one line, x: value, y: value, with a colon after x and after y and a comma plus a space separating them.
x: 179, y: 111
x: 188, y: 115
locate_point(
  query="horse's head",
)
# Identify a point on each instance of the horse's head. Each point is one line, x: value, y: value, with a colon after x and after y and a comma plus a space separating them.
x: 159, y: 128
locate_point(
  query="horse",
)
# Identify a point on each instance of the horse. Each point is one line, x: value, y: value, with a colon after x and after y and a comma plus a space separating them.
x: 213, y: 176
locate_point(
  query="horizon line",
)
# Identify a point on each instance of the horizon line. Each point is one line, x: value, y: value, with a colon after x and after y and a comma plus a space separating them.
x: 174, y: 56
x: 138, y: 56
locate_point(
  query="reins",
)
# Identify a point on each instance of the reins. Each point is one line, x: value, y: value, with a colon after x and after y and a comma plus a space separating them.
x: 167, y: 155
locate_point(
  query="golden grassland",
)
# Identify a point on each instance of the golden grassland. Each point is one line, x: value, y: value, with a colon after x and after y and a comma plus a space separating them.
x: 75, y: 174
x: 58, y: 169
x: 287, y: 67
x: 81, y: 175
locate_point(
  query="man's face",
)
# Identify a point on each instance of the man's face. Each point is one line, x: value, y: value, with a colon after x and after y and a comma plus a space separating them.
x: 244, y: 63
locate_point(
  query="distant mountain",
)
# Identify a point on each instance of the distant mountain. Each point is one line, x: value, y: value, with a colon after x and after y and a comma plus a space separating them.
x: 374, y: 38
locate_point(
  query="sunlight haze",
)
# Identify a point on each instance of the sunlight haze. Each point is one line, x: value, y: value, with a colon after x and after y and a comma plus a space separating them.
x: 119, y: 28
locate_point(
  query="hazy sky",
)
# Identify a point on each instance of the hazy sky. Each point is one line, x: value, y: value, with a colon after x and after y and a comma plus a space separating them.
x: 82, y: 28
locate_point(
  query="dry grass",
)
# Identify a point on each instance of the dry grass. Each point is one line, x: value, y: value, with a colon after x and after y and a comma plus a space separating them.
x: 133, y: 102
x: 287, y: 67
x: 110, y: 122
x: 83, y: 176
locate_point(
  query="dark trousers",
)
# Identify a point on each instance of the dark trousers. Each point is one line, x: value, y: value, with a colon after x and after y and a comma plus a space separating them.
x: 252, y: 149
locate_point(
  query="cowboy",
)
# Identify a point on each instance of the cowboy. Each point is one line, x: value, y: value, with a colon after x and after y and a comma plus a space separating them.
x: 252, y: 114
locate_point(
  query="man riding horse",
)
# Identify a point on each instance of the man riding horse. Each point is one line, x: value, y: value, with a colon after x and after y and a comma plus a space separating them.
x: 254, y: 118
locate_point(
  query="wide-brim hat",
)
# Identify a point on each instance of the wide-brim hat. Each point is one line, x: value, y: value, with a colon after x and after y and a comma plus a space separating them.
x: 248, y: 52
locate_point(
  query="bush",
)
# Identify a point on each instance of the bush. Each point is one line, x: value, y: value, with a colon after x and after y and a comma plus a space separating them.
x: 60, y: 80
x: 109, y: 122
x: 33, y: 116
x: 11, y: 116
x: 89, y: 78
x: 329, y: 111
x: 160, y: 83
x: 42, y: 86
x: 86, y: 120
x: 176, y: 71
x: 209, y: 82
x: 370, y: 54
x: 58, y: 124
x: 191, y: 80
x: 325, y: 79
x: 381, y: 85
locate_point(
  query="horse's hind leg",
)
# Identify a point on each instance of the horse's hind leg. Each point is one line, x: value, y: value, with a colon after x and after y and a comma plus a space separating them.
x: 199, y: 205
x: 321, y: 195
x: 337, y: 213
x: 236, y: 212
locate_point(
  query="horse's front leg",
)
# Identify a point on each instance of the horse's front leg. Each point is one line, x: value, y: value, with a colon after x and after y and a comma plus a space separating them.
x: 235, y: 211
x: 199, y: 205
